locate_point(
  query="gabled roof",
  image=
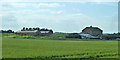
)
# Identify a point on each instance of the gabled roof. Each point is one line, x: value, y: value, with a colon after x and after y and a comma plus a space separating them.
x: 27, y: 31
x: 92, y: 28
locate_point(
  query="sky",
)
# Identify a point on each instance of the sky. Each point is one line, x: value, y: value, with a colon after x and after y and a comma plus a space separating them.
x: 60, y: 16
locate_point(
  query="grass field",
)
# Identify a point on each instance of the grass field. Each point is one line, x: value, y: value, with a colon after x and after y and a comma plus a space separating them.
x: 38, y: 48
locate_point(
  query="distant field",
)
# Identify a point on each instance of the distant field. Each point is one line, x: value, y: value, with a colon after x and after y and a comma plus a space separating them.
x: 38, y: 48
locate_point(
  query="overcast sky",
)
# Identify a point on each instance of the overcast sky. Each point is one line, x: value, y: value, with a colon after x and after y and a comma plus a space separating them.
x: 60, y: 16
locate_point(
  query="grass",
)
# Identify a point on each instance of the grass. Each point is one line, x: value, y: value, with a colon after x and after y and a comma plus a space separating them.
x: 50, y: 48
x: 51, y: 37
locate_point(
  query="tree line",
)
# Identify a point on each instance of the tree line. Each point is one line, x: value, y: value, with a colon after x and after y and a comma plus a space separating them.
x: 6, y: 31
x: 32, y: 29
x: 26, y: 29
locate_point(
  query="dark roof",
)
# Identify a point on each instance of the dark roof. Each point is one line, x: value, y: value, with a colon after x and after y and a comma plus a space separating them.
x: 93, y: 28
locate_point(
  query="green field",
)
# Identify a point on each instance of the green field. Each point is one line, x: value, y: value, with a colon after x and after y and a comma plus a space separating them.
x: 41, y: 48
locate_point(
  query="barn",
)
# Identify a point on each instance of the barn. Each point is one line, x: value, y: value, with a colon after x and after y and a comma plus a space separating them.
x: 35, y: 32
x: 94, y: 31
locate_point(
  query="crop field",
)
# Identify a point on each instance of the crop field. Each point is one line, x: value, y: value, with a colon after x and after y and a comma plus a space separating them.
x: 38, y: 48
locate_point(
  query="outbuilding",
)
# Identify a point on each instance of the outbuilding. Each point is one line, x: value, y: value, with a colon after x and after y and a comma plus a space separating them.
x: 94, y: 31
x: 35, y: 32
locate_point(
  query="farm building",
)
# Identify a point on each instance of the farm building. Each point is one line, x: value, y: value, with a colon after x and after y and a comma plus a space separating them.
x: 94, y: 31
x: 88, y: 36
x: 110, y: 37
x: 35, y: 32
x: 73, y: 35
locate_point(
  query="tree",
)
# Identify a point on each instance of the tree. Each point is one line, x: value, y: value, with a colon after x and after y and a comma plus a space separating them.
x: 26, y: 29
x: 37, y: 28
x: 118, y: 33
x: 34, y: 28
x: 23, y: 29
x: 46, y: 30
x: 10, y: 31
x: 30, y: 29
x: 6, y: 31
x: 43, y: 29
x: 51, y: 31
